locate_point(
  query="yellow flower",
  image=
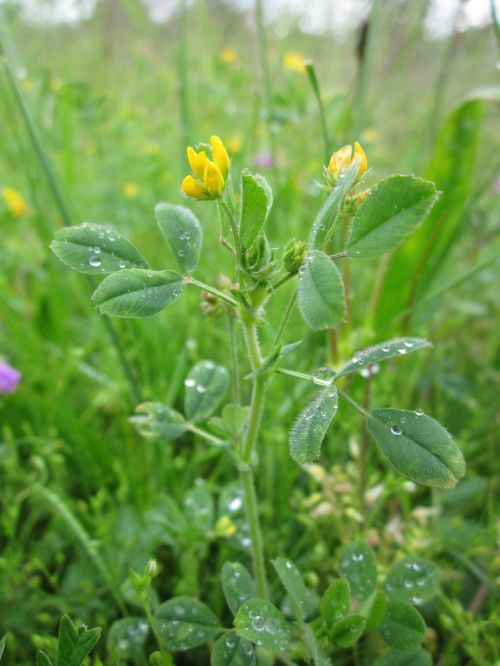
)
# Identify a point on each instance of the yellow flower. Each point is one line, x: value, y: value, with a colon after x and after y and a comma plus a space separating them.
x: 131, y: 190
x: 14, y: 201
x: 344, y: 158
x: 228, y: 55
x: 225, y: 527
x: 210, y: 176
x: 293, y: 61
x: 234, y: 144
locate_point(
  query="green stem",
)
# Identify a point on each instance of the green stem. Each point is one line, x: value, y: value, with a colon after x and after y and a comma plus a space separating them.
x: 247, y: 453
x: 353, y: 403
x: 211, y: 290
x: 265, y: 71
x: 234, y: 362
x: 303, y: 375
x: 206, y: 435
x: 234, y: 228
x: 313, y: 79
x: 183, y: 72
x: 285, y: 318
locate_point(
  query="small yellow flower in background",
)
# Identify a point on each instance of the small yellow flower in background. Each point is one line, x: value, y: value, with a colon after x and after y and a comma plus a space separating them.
x: 27, y: 85
x: 151, y: 148
x: 14, y: 202
x: 56, y: 84
x: 209, y: 175
x: 225, y: 527
x: 228, y: 55
x: 131, y: 190
x: 293, y: 61
x: 342, y: 159
x: 235, y: 144
x: 370, y: 134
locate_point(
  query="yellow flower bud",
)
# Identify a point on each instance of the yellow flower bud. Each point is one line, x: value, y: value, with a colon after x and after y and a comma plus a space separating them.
x: 220, y: 156
x: 343, y: 158
x: 359, y: 154
x: 293, y: 61
x: 14, y: 201
x: 339, y: 161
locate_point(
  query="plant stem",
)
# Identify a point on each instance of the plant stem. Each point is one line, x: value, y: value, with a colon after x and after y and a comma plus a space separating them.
x: 265, y: 73
x: 303, y: 375
x: 247, y: 453
x: 183, y: 73
x: 313, y: 79
x: 353, y: 403
x: 285, y: 319
x: 211, y: 290
x: 234, y: 362
x: 215, y: 441
x: 234, y: 228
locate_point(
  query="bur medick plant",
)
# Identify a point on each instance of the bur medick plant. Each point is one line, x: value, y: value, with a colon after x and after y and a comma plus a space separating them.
x: 359, y: 601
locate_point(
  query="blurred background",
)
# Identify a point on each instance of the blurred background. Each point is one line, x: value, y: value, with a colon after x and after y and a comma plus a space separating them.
x: 99, y: 99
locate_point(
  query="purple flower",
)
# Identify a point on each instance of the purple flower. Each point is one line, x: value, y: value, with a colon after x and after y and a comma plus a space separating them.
x: 9, y: 378
x: 264, y: 159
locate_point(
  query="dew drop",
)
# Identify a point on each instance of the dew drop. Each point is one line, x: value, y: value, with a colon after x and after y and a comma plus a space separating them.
x: 419, y: 412
x: 235, y: 504
x: 95, y: 261
x: 189, y: 383
x: 122, y: 264
x: 396, y: 430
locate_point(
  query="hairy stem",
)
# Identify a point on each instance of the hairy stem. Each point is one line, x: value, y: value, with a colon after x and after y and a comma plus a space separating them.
x: 247, y: 453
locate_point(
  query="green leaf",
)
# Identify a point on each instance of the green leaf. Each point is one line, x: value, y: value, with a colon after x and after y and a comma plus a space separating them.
x: 199, y: 508
x: 389, y: 214
x: 377, y: 611
x: 332, y: 207
x: 417, y: 446
x: 182, y: 230
x: 2, y: 644
x: 293, y: 584
x: 358, y: 564
x: 73, y: 646
x: 346, y: 632
x: 415, y: 657
x: 232, y: 650
x: 205, y: 386
x: 127, y: 637
x: 336, y: 601
x: 154, y: 420
x: 320, y: 293
x: 403, y: 626
x: 232, y: 422
x: 256, y: 202
x: 383, y: 352
x: 136, y: 292
x: 412, y: 579
x: 262, y: 623
x: 94, y: 249
x: 309, y: 429
x: 237, y: 584
x: 184, y: 623
x: 42, y: 659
